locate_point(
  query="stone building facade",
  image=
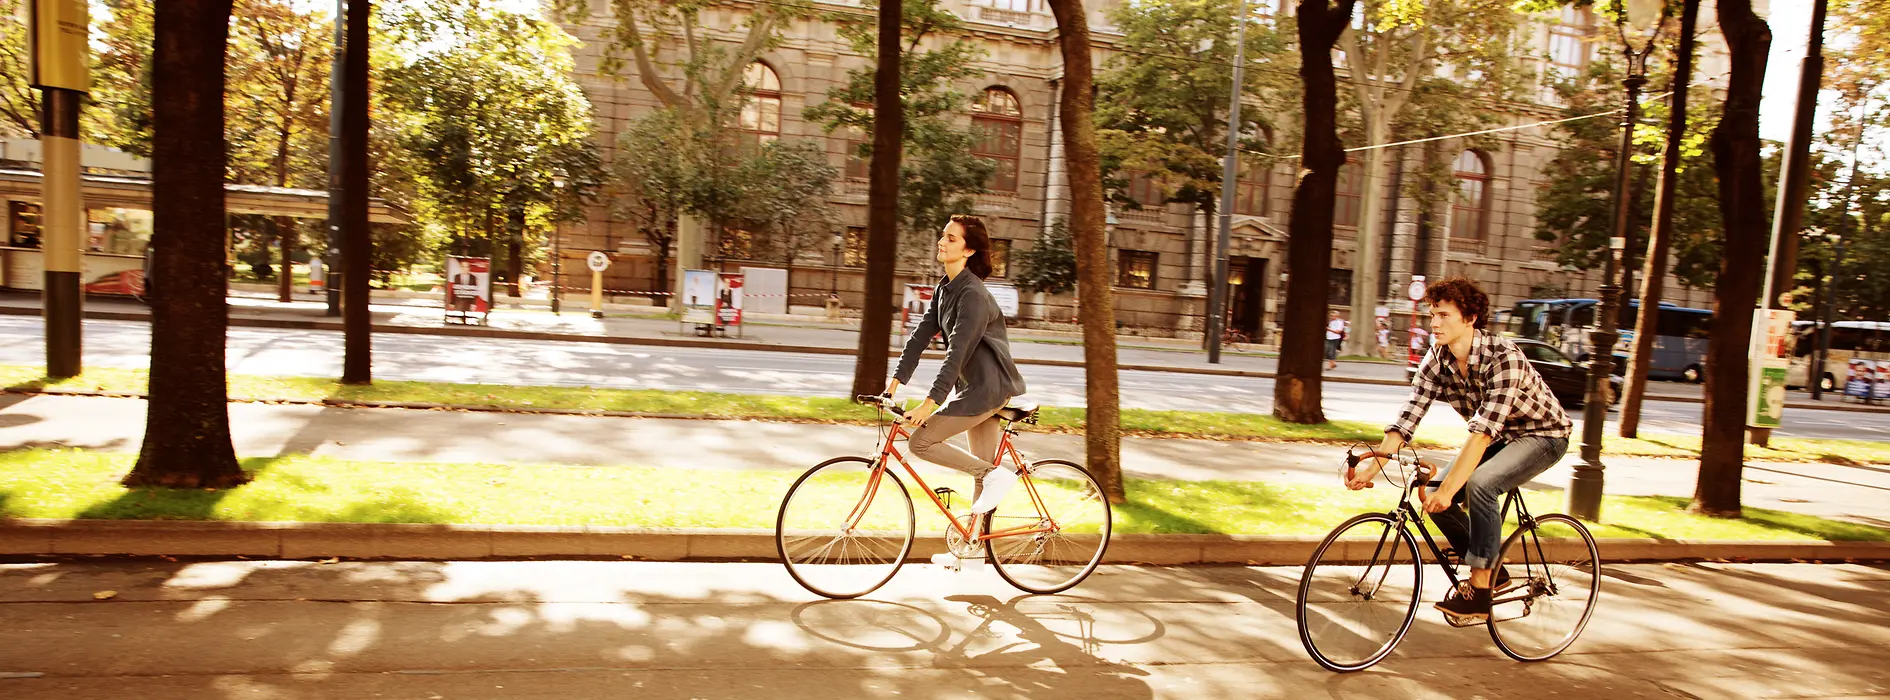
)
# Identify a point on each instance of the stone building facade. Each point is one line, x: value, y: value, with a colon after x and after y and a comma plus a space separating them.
x: 1161, y: 254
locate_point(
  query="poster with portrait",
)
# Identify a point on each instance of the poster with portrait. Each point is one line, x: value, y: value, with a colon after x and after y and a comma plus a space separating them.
x: 468, y: 287
x: 1862, y: 379
x: 698, y: 302
x: 728, y: 298
x: 918, y: 300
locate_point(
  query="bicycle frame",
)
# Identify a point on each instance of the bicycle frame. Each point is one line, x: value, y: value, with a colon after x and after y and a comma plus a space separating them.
x: 889, y: 451
x: 1408, y: 515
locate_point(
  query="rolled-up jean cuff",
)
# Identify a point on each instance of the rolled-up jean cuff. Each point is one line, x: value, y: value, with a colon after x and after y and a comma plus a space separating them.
x: 1519, y: 462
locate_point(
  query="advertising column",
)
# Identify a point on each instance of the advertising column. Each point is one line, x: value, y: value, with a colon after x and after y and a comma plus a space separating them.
x: 59, y: 69
x: 1770, y: 357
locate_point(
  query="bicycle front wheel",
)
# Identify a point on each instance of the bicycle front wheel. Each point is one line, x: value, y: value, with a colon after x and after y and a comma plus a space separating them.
x: 1060, y: 522
x: 845, y: 527
x: 1359, y: 593
x: 1561, y: 581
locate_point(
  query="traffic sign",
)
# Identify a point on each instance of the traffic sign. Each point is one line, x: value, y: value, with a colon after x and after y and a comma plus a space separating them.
x: 598, y: 260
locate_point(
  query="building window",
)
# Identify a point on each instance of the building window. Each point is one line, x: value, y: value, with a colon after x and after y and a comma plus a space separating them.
x: 1000, y: 257
x: 1346, y: 204
x: 1250, y: 191
x: 737, y: 244
x: 761, y: 110
x: 1012, y: 5
x: 1135, y: 269
x: 859, y: 141
x: 1472, y: 206
x: 854, y: 251
x: 1145, y: 191
x: 998, y: 125
x: 1569, y: 47
x: 1339, y: 288
x: 23, y: 225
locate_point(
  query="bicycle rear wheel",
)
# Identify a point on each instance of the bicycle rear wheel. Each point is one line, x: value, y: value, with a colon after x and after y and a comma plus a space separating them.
x: 1560, y: 583
x: 1064, y: 521
x: 1359, y: 593
x: 845, y: 527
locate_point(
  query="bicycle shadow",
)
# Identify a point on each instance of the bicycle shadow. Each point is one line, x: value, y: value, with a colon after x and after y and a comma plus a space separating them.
x: 1029, y: 646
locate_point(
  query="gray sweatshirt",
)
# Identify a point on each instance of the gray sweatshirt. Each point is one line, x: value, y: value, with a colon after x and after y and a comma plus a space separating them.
x: 977, y: 351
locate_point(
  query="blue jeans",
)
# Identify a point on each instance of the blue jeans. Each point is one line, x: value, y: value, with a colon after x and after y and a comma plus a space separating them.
x: 1478, y: 537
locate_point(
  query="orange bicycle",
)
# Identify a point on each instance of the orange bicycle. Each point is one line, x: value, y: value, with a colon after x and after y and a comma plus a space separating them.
x: 847, y: 525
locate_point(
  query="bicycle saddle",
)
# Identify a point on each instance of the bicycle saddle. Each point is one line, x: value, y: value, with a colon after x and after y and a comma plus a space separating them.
x: 1019, y: 410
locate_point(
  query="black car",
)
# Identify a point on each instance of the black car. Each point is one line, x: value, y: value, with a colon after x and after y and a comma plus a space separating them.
x: 1567, y: 379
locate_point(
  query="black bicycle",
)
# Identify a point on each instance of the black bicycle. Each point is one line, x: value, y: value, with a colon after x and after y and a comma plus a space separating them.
x: 1361, y: 589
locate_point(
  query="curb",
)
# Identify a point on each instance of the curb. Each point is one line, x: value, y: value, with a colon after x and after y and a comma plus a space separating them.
x: 36, y: 537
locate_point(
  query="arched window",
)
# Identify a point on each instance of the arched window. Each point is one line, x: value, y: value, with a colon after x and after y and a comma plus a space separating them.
x: 998, y: 122
x: 1346, y: 204
x: 761, y: 110
x: 1251, y: 190
x: 1471, y: 209
x: 859, y: 165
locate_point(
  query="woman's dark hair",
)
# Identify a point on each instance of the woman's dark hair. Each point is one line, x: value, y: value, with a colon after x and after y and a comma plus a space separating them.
x: 1463, y: 294
x: 977, y: 241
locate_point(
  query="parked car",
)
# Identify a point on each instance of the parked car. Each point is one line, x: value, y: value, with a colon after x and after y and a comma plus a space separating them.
x: 1566, y: 378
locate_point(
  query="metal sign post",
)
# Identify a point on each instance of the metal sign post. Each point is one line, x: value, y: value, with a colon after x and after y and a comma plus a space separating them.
x: 598, y: 261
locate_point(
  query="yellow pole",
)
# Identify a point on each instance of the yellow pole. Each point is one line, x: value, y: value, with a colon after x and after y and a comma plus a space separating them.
x: 597, y: 294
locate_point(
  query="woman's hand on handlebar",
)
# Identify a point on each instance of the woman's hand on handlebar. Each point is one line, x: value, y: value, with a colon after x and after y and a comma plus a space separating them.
x: 1361, y: 477
x: 892, y: 386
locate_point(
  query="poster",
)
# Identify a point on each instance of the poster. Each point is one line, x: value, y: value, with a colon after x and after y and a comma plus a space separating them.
x: 728, y: 298
x: 1771, y: 353
x: 698, y: 302
x: 469, y: 285
x: 918, y: 301
x: 1006, y: 296
x: 1863, y: 381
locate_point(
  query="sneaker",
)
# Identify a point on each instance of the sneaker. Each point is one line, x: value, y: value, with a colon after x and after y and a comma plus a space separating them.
x: 997, y: 485
x: 1467, y: 609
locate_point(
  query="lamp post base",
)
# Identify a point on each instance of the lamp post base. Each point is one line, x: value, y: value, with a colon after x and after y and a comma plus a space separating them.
x: 1584, y: 493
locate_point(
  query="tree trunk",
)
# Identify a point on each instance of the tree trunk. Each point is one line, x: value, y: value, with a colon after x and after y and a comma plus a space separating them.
x: 188, y: 445
x: 1735, y: 144
x: 357, y: 363
x: 1297, y: 389
x: 1368, y: 261
x: 882, y: 197
x: 286, y: 239
x: 1659, y: 241
x: 1083, y: 163
x: 515, y: 253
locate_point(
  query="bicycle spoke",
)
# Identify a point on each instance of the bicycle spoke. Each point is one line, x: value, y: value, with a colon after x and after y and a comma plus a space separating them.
x: 1553, y: 604
x: 1062, y: 524
x: 844, y: 530
x: 1353, y: 609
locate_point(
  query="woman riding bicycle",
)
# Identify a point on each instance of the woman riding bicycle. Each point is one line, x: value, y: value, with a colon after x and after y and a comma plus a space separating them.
x: 978, y: 377
x: 1517, y: 430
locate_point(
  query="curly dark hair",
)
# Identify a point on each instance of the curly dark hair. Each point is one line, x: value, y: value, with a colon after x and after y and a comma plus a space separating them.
x: 1463, y: 294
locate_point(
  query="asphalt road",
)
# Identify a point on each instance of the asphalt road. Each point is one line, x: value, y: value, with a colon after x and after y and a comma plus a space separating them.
x: 566, y: 363
x: 157, y: 630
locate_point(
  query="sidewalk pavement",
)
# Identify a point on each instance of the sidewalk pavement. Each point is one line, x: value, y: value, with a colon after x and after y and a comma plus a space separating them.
x: 728, y: 445
x: 591, y: 630
x: 632, y: 324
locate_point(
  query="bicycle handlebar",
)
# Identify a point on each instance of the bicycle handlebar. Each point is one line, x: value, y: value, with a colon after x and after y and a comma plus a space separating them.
x: 882, y: 401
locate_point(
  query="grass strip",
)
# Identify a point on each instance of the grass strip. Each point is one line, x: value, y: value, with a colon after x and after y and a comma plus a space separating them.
x: 41, y: 483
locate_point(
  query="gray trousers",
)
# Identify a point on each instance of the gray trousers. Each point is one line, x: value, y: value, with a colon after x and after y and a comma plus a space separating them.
x: 984, y: 432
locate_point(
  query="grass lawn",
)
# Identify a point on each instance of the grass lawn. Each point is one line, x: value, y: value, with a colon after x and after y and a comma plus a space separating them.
x: 1198, y: 424
x: 79, y: 484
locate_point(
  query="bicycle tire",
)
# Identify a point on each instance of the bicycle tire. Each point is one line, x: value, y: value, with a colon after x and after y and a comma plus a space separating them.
x: 1052, y: 562
x: 1576, y: 570
x: 1329, y: 657
x: 827, y: 498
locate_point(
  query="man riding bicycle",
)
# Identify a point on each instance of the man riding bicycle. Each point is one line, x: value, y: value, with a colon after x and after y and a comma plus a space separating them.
x: 1517, y: 431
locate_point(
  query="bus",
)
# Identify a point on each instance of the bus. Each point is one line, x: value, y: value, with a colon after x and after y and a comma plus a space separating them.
x: 1679, y: 346
x: 1859, y: 340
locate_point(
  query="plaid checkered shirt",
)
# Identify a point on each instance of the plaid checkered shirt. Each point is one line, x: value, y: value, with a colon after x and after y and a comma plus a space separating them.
x: 1503, y: 396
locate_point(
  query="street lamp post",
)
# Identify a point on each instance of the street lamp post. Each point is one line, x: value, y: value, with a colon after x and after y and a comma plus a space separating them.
x: 557, y: 257
x: 833, y: 291
x: 1643, y: 18
x: 1230, y: 172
